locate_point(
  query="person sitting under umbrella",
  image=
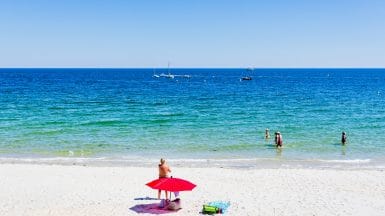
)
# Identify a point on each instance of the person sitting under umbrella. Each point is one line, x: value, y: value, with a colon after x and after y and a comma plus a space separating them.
x: 164, y: 170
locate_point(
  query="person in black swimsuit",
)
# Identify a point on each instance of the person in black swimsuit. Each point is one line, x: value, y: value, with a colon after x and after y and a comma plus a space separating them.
x: 344, y: 138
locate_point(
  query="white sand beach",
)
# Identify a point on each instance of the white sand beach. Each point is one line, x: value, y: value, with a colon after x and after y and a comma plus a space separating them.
x: 28, y: 189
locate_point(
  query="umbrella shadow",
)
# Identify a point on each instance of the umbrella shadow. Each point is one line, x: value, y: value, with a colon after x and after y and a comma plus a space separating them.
x: 152, y: 208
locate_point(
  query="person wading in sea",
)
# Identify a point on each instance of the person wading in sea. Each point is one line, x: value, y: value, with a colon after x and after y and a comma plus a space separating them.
x: 267, y: 134
x: 344, y: 138
x: 278, y: 139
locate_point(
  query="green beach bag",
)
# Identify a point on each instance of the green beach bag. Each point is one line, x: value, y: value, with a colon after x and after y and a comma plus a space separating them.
x: 210, y: 209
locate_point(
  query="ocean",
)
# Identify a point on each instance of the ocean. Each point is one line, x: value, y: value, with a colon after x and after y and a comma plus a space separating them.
x: 211, y: 117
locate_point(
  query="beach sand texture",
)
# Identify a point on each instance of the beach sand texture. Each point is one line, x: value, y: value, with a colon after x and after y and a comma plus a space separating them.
x: 28, y: 189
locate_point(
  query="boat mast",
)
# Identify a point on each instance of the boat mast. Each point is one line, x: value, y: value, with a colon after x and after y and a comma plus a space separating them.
x: 168, y: 67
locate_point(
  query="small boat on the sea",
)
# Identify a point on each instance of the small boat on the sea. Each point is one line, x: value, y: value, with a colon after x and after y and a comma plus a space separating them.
x: 246, y: 78
x: 169, y: 76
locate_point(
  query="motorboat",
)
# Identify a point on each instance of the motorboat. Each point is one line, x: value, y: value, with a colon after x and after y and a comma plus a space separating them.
x: 246, y: 78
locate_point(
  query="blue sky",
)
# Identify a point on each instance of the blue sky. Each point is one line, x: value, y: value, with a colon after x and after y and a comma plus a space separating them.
x: 194, y: 33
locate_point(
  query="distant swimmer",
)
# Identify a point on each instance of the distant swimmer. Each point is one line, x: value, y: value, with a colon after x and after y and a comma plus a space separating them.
x: 267, y: 133
x: 344, y: 138
x: 278, y: 139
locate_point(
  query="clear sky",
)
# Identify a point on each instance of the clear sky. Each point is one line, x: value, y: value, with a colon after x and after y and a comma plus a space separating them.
x: 192, y: 33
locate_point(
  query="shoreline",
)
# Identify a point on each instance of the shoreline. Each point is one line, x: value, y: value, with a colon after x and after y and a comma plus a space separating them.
x: 229, y: 163
x: 32, y: 189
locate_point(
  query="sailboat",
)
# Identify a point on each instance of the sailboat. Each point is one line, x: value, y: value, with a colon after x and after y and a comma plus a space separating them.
x: 247, y: 78
x: 169, y: 75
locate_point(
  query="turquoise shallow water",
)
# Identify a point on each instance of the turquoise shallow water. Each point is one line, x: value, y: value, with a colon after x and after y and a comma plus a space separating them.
x: 127, y: 113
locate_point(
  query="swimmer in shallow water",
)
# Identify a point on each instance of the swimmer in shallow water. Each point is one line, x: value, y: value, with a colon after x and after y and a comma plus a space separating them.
x: 267, y: 133
x: 344, y: 138
x: 278, y: 139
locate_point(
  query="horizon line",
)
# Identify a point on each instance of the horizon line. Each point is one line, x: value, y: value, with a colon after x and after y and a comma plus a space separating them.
x: 254, y: 68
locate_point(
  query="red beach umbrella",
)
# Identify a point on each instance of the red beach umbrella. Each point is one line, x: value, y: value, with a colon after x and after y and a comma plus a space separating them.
x: 171, y: 184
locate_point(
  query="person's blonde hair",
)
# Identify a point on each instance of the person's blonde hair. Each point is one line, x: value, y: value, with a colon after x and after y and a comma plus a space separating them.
x: 162, y: 161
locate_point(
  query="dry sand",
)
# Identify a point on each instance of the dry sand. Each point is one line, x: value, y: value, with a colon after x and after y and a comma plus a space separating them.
x: 27, y: 189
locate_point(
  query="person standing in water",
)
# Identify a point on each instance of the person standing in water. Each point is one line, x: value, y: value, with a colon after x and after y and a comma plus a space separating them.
x: 278, y: 139
x: 164, y: 171
x: 344, y: 138
x: 267, y: 133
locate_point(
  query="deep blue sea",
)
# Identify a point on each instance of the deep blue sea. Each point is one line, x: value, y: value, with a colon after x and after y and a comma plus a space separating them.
x: 128, y: 114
